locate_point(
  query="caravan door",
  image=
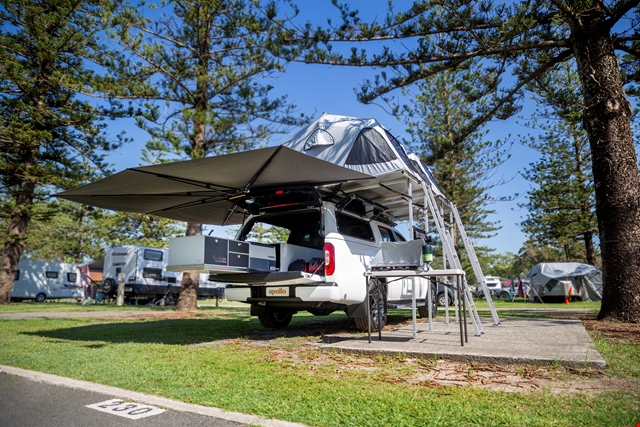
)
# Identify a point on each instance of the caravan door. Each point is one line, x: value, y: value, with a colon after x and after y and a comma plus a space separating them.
x: 151, y: 270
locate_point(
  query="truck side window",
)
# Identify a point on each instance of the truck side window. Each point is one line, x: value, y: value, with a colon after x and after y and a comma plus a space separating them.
x: 72, y: 277
x: 51, y: 274
x: 152, y: 255
x: 354, y: 227
x: 387, y: 235
x: 399, y: 237
x: 152, y: 273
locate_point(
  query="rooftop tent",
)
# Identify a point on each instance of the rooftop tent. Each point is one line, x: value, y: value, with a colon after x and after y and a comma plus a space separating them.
x: 425, y: 173
x: 586, y: 279
x: 364, y: 145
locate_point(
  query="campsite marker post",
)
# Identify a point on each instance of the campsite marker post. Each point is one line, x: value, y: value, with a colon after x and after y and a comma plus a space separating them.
x: 120, y: 298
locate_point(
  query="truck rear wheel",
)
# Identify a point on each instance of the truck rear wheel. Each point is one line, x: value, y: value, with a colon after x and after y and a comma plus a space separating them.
x: 423, y: 310
x: 275, y: 318
x: 377, y: 308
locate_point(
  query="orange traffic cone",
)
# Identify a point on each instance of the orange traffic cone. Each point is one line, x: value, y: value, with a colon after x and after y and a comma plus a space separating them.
x: 566, y: 300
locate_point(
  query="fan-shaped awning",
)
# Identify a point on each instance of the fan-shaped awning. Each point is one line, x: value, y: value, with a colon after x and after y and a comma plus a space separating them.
x: 205, y: 190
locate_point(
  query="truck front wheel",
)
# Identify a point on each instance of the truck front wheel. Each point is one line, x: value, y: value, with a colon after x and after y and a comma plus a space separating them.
x: 271, y: 318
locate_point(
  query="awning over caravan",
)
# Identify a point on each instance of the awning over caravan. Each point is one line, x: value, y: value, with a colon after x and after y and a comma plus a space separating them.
x: 204, y: 190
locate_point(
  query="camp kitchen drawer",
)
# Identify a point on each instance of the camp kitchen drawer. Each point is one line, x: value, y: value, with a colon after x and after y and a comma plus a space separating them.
x: 218, y: 255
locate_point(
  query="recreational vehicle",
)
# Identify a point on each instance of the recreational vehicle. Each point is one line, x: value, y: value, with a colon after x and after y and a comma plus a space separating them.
x: 41, y: 280
x: 145, y: 273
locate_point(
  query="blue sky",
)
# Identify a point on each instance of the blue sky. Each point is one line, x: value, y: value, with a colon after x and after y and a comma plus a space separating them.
x: 316, y: 89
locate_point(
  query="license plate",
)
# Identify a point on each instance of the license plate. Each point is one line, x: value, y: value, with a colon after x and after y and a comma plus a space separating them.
x: 280, y: 291
x: 129, y: 289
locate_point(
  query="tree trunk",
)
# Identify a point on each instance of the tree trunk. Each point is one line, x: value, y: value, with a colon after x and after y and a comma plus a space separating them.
x: 14, y: 244
x: 567, y: 253
x: 188, y: 298
x: 615, y: 167
x: 589, y: 249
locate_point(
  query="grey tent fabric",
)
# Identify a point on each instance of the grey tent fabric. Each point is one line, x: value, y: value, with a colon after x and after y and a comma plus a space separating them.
x: 366, y: 146
x: 585, y: 278
x: 203, y: 190
x: 359, y: 144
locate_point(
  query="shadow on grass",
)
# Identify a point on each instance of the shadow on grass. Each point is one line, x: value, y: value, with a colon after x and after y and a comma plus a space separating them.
x: 194, y: 331
x: 205, y: 330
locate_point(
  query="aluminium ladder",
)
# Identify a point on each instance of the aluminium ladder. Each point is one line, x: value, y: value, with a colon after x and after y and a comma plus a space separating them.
x: 475, y: 264
x: 451, y: 255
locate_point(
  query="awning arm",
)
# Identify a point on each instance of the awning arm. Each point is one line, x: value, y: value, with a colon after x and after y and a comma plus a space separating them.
x: 266, y: 164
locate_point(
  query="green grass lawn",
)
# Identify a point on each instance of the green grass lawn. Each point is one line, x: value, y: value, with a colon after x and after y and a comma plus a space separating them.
x: 62, y: 305
x: 222, y: 357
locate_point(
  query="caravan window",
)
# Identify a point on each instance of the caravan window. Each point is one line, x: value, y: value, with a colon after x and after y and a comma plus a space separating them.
x: 17, y: 275
x: 354, y: 227
x: 152, y: 255
x: 152, y: 273
x: 51, y: 274
x: 72, y: 277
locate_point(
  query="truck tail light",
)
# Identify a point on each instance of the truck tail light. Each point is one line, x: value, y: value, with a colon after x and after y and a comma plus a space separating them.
x: 329, y: 259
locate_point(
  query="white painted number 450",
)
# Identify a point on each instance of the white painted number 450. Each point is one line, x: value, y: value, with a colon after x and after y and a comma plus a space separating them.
x: 131, y: 410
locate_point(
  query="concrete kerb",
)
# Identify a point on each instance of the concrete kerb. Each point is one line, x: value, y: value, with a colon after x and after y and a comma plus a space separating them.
x: 531, y: 341
x: 147, y: 399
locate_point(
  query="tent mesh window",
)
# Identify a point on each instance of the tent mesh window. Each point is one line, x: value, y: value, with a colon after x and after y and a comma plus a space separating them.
x: 370, y: 147
x: 400, y: 149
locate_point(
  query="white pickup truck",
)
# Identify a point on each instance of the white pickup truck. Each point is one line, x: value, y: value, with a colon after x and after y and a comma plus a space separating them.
x: 320, y: 266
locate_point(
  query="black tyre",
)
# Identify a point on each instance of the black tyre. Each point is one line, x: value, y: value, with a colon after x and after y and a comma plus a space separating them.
x: 41, y: 297
x: 109, y: 287
x: 441, y: 299
x: 423, y: 310
x: 503, y: 295
x: 273, y: 318
x: 377, y: 308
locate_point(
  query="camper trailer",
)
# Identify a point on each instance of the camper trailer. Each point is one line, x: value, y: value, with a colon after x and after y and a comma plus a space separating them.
x: 41, y: 280
x: 145, y: 273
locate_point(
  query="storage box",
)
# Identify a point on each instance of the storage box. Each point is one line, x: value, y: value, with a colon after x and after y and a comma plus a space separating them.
x: 217, y: 255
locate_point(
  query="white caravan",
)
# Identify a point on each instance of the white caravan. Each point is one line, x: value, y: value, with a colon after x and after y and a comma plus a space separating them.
x: 41, y: 280
x: 146, y: 274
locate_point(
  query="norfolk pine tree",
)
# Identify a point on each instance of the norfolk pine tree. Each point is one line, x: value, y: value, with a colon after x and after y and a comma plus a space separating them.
x: 463, y: 167
x: 209, y: 64
x: 518, y: 42
x: 561, y: 208
x: 49, y: 137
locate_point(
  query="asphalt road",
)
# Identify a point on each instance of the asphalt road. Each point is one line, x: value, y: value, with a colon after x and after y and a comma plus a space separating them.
x: 26, y: 403
x: 34, y: 399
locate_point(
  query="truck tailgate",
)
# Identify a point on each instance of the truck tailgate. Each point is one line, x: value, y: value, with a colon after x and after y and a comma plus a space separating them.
x: 270, y: 278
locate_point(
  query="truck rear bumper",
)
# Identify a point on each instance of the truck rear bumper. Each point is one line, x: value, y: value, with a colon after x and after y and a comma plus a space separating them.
x: 305, y: 293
